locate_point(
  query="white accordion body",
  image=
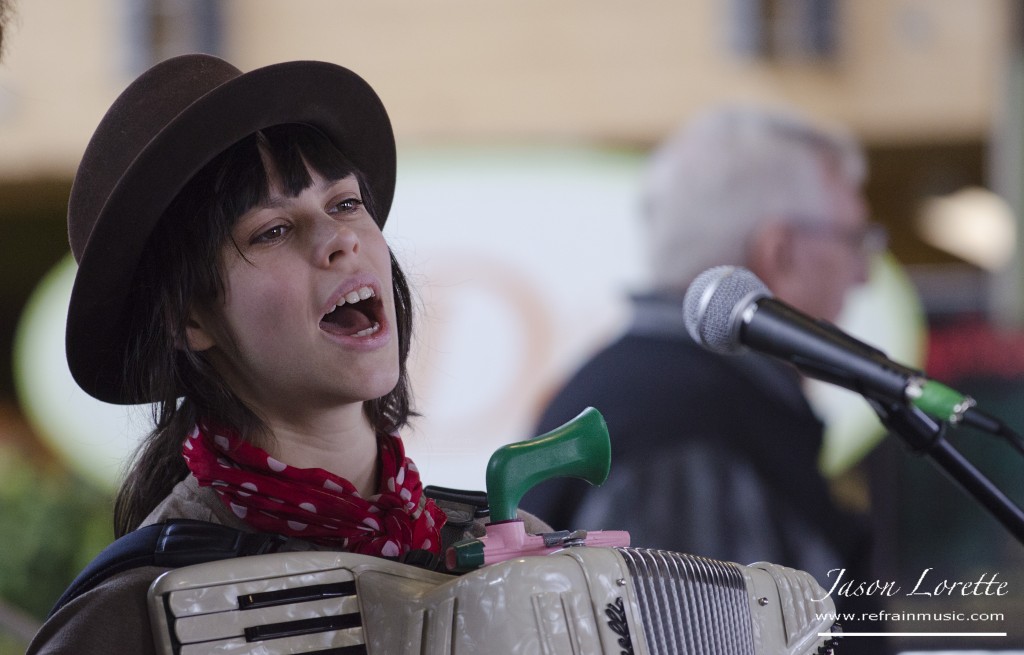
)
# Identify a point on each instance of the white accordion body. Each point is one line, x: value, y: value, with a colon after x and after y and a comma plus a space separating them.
x: 620, y: 601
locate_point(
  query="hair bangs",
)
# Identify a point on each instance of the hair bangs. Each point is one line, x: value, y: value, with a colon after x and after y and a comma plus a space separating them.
x: 294, y: 150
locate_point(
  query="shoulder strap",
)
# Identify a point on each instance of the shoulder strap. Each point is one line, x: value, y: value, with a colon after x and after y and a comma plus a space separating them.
x: 461, y: 507
x: 473, y: 503
x: 183, y: 542
x: 174, y: 543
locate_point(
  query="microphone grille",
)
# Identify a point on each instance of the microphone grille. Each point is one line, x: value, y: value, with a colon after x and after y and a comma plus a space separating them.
x: 714, y: 302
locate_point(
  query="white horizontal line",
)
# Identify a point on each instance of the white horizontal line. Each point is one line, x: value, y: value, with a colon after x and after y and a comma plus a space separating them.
x: 911, y: 634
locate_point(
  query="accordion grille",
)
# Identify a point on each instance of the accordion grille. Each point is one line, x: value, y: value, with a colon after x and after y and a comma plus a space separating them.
x: 690, y: 604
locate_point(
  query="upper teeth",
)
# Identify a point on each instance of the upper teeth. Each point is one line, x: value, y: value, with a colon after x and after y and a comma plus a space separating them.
x: 352, y: 297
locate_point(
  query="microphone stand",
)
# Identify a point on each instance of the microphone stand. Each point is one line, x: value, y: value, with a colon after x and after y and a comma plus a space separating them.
x: 927, y: 437
x: 993, y: 426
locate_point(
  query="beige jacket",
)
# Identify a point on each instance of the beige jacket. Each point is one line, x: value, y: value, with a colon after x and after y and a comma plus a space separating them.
x: 112, y: 617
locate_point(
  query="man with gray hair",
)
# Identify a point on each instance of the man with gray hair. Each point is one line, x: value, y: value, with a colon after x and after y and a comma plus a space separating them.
x: 760, y: 189
x: 716, y: 455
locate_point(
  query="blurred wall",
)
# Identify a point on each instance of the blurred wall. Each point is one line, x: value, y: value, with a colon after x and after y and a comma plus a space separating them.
x: 595, y: 70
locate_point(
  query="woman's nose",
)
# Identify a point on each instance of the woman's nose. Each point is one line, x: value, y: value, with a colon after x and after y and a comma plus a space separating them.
x: 334, y: 239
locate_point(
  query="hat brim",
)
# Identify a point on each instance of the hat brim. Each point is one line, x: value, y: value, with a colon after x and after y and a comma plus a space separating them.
x: 331, y: 98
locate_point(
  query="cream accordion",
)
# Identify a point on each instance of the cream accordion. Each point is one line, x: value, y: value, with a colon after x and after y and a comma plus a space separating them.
x: 578, y: 600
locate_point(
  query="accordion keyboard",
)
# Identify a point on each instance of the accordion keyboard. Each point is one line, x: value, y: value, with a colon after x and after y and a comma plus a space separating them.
x: 685, y: 600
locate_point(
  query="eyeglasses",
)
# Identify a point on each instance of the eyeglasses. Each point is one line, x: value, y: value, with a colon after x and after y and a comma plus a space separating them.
x: 869, y: 239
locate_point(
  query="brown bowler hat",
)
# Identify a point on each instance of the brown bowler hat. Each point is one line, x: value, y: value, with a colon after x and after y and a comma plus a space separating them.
x: 162, y: 129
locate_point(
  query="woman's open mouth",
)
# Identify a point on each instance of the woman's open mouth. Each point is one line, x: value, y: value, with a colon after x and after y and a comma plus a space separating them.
x: 357, y: 314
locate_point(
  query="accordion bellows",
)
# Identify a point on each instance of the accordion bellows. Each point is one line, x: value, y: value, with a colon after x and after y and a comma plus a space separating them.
x: 619, y: 601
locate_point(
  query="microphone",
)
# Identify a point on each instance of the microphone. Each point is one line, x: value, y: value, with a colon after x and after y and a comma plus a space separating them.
x: 727, y: 309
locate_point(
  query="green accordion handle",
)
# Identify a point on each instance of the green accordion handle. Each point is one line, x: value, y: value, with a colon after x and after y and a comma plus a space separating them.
x: 579, y: 449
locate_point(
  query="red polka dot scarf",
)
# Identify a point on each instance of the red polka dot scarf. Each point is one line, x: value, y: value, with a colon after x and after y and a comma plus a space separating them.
x: 314, y: 504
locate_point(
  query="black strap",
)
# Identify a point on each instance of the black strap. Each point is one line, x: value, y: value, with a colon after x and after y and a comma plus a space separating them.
x: 183, y: 542
x: 174, y: 543
x: 462, y: 508
x: 475, y: 502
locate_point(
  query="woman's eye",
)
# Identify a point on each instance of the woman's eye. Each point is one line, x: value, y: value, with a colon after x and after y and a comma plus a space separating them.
x: 346, y: 205
x: 272, y: 234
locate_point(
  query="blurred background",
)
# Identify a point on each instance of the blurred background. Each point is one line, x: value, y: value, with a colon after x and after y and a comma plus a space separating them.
x: 522, y: 128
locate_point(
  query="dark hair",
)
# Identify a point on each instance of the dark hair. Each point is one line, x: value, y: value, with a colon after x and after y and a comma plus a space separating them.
x: 180, y: 269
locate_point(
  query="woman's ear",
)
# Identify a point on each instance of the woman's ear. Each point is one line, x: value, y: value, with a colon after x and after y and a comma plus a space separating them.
x: 197, y: 336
